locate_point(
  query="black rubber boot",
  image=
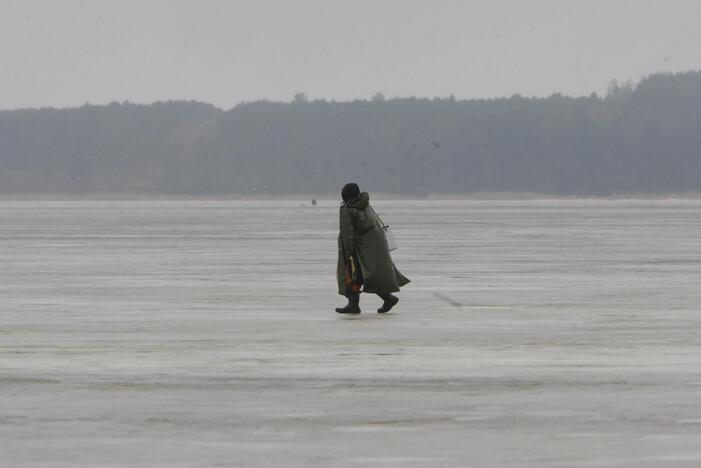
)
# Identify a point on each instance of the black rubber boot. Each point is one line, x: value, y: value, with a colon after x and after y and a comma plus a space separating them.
x: 390, y: 301
x: 352, y: 307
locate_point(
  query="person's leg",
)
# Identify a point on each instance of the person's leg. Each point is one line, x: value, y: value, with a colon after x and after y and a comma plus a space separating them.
x: 390, y: 301
x: 353, y: 304
x: 354, y: 282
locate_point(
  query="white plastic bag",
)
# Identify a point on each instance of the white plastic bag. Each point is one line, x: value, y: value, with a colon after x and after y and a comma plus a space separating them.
x: 387, y: 230
x: 391, y: 242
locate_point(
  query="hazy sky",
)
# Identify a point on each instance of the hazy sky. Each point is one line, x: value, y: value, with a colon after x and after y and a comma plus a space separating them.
x: 68, y: 52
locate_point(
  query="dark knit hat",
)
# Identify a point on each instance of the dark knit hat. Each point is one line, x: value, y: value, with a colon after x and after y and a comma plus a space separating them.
x: 349, y: 192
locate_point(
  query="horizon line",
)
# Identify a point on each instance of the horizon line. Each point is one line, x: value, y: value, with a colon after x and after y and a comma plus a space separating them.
x: 629, y: 83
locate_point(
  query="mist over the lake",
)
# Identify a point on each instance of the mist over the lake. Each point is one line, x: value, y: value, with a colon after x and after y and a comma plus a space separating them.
x: 409, y: 98
x: 642, y: 138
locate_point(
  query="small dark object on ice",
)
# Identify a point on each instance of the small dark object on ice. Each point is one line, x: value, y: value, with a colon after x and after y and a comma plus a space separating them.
x: 313, y: 201
x: 390, y: 302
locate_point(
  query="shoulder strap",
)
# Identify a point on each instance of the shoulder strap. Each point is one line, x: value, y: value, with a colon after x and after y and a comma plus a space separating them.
x: 378, y: 216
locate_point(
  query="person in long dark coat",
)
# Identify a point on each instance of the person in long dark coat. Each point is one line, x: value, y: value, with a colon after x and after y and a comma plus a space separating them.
x: 363, y: 256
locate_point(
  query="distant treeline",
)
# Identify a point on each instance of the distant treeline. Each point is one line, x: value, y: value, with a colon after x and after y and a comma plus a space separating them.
x: 645, y: 138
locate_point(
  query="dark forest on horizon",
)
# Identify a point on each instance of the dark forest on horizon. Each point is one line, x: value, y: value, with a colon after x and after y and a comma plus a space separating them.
x: 645, y: 138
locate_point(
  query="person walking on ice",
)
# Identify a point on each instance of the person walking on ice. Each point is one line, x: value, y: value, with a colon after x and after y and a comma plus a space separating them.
x: 363, y: 254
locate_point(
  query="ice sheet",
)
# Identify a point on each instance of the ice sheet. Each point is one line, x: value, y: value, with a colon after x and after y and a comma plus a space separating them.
x: 202, y: 333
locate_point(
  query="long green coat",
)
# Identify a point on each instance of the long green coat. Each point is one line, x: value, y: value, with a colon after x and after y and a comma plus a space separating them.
x: 362, y: 235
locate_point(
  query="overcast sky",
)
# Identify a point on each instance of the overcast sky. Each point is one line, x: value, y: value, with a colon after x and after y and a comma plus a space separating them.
x: 68, y: 52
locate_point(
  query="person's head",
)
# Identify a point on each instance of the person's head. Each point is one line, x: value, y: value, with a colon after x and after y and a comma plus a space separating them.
x: 349, y: 192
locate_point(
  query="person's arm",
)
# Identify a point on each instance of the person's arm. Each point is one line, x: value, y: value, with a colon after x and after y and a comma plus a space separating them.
x: 346, y: 226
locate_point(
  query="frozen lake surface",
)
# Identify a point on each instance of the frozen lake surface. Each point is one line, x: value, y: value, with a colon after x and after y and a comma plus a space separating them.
x: 202, y: 333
